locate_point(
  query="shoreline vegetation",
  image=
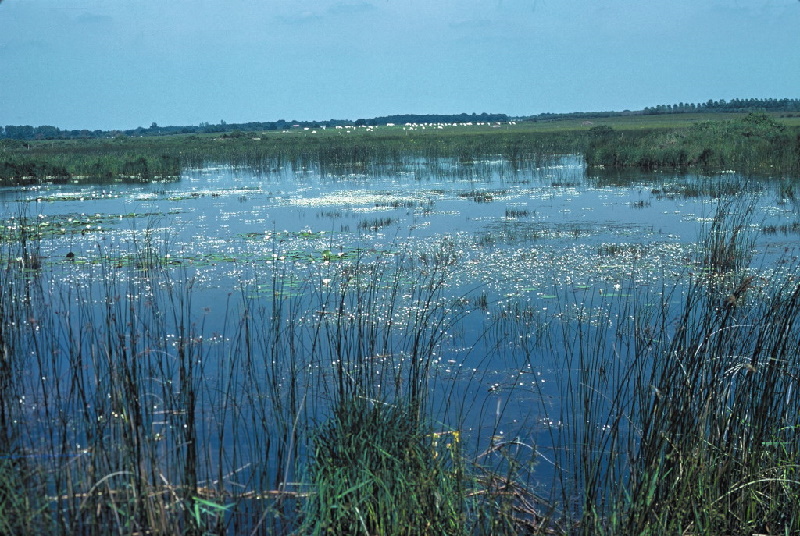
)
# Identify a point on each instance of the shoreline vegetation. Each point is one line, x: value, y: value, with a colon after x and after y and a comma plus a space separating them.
x: 754, y: 143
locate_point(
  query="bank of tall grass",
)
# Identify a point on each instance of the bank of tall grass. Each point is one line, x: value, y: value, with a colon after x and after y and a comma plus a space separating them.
x: 122, y: 414
x: 756, y: 144
x: 147, y: 159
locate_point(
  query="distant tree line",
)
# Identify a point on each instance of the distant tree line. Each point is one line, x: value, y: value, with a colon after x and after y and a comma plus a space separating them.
x: 710, y: 106
x: 733, y: 105
x: 47, y: 132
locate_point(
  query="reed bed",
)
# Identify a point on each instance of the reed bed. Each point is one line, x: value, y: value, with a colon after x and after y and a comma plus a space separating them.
x: 677, y: 413
x: 755, y: 143
x: 160, y: 159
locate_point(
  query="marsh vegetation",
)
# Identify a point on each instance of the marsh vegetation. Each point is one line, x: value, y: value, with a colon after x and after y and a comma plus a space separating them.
x: 462, y: 335
x: 754, y: 143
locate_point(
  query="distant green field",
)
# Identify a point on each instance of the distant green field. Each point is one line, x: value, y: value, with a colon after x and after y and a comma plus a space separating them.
x: 748, y: 143
x: 640, y: 122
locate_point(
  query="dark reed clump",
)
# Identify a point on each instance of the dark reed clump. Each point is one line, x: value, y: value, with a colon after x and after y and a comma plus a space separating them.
x: 677, y: 410
x: 755, y: 143
x: 718, y: 449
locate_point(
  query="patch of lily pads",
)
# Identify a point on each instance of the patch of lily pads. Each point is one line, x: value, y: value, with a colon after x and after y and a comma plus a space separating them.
x: 151, y: 260
x: 44, y: 227
x: 278, y: 236
x: 75, y: 196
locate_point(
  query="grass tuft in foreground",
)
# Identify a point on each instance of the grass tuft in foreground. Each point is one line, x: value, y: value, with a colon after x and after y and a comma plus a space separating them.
x: 377, y: 469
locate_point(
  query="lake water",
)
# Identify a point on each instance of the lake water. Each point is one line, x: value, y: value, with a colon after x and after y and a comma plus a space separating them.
x: 509, y: 259
x: 550, y: 219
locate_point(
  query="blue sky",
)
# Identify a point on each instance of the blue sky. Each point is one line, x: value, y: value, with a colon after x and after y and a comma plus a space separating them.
x: 119, y: 64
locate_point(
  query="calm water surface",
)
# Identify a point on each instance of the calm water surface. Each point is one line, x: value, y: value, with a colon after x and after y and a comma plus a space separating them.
x: 531, y: 251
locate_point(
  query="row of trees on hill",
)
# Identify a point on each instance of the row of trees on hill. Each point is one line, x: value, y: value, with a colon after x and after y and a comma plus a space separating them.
x: 710, y: 106
x: 733, y: 105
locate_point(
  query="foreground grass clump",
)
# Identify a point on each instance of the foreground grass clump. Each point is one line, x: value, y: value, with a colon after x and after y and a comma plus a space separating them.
x: 377, y: 470
x: 719, y: 449
x: 22, y: 510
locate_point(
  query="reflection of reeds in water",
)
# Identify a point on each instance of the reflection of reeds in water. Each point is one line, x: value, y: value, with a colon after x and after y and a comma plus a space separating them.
x: 784, y: 228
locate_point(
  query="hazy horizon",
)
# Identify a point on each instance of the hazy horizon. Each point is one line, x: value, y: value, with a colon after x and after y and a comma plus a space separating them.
x: 91, y: 64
